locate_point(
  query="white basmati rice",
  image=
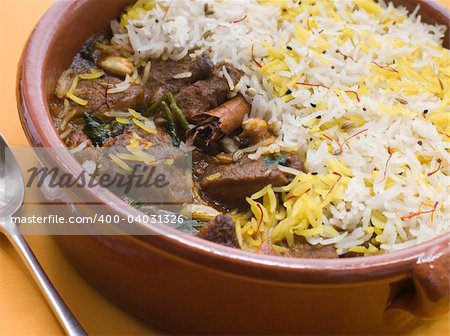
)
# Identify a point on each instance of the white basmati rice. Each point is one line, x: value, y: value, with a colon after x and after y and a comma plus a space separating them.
x: 320, y: 72
x: 182, y: 75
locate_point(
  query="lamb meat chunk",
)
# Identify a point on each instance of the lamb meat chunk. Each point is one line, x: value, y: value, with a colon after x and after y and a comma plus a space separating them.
x: 295, y: 161
x: 205, y: 95
x: 99, y: 101
x: 95, y: 91
x: 200, y: 67
x: 159, y: 140
x: 77, y: 137
x: 203, y: 67
x: 302, y: 249
x: 161, y: 148
x: 138, y: 96
x: 231, y: 183
x: 220, y: 230
x: 200, y: 163
x: 162, y: 74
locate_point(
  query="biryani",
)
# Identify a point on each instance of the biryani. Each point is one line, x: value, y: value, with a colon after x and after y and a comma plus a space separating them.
x: 318, y: 128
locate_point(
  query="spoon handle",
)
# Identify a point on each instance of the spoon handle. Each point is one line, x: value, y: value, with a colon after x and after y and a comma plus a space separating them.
x: 68, y: 321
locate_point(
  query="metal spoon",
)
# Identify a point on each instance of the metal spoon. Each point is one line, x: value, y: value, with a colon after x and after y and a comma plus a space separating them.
x: 11, y: 199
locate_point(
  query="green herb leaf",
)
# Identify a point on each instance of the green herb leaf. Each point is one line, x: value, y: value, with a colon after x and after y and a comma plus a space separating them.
x: 98, y: 131
x: 178, y: 112
x: 171, y: 128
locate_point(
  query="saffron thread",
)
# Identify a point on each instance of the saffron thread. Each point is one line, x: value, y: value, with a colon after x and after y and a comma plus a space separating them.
x: 439, y: 161
x: 420, y: 212
x: 345, y: 56
x: 341, y: 145
x: 391, y: 152
x: 313, y: 85
x: 253, y: 57
x: 240, y: 20
x: 335, y: 183
x: 355, y: 93
x: 385, y: 67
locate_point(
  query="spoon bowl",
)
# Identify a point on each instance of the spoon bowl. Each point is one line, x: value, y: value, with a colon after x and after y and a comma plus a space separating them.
x: 11, y: 181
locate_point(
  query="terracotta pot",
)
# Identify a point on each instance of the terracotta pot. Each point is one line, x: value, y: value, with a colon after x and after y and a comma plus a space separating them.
x: 186, y: 285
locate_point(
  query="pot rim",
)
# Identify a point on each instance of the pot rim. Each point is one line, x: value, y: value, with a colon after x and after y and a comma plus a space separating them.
x: 38, y: 126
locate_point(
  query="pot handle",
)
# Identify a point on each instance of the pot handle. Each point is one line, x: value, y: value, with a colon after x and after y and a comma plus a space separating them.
x: 427, y: 294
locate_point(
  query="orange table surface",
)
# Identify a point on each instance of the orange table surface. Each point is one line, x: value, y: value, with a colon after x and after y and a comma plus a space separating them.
x: 23, y: 310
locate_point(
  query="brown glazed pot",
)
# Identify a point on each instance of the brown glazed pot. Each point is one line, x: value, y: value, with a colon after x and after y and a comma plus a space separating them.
x: 186, y: 285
